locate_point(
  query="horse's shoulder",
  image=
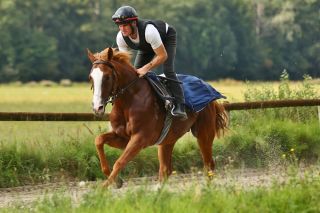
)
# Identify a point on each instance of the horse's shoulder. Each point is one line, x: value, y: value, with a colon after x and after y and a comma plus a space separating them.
x: 116, y: 115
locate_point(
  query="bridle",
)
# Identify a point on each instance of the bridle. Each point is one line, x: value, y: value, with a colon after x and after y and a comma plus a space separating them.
x: 114, y: 94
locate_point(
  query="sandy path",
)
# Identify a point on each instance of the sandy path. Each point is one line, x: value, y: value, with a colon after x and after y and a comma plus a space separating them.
x: 245, y: 179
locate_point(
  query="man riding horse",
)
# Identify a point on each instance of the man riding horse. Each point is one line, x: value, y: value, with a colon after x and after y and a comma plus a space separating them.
x: 156, y: 43
x: 137, y: 117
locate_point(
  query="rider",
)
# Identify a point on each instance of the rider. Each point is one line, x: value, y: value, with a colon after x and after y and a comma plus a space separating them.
x: 156, y: 43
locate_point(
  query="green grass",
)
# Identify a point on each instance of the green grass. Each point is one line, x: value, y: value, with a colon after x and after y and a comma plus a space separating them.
x: 297, y: 195
x: 45, y: 99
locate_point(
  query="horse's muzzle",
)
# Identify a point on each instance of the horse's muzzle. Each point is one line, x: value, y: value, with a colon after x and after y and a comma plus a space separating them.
x: 99, y: 111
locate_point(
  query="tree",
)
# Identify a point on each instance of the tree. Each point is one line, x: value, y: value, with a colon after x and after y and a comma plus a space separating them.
x: 27, y: 52
x: 241, y: 39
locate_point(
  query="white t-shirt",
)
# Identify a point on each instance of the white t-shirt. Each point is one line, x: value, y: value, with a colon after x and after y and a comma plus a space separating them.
x: 152, y: 36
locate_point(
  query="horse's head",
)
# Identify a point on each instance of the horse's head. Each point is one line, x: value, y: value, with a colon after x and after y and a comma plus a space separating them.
x: 103, y: 77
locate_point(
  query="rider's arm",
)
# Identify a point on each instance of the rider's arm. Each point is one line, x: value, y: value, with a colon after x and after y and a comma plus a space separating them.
x: 160, y: 58
x: 153, y: 38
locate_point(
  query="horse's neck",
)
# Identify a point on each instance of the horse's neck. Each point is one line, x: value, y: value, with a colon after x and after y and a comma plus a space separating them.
x: 128, y: 76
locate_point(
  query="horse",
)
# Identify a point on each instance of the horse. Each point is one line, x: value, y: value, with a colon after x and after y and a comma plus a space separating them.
x: 137, y: 116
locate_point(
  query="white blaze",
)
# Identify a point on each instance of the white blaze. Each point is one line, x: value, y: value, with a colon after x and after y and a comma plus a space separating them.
x: 96, y: 76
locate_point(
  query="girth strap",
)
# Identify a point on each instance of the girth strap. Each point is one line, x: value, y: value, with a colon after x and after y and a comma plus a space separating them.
x: 166, y: 128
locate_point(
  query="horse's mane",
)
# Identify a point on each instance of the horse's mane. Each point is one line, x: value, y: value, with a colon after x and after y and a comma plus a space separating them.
x: 122, y: 57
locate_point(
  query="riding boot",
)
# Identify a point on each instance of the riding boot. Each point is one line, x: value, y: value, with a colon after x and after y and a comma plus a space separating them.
x: 179, y: 110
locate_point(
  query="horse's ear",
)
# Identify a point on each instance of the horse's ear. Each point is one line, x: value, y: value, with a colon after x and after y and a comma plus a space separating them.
x: 90, y: 55
x: 110, y: 53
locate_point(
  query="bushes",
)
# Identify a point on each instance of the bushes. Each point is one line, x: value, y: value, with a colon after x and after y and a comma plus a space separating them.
x: 261, y: 137
x: 267, y: 144
x: 305, y: 91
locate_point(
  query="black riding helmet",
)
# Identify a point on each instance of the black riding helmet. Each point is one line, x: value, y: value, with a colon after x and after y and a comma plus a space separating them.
x: 125, y: 14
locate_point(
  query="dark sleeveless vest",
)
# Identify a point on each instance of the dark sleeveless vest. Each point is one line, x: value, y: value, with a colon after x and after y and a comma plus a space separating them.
x: 143, y: 45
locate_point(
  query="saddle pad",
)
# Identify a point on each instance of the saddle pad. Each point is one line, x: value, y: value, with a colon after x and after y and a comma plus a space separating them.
x: 197, y: 93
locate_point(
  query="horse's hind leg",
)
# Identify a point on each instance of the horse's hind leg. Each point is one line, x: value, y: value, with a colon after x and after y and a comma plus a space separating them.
x: 165, y: 161
x: 205, y: 141
x: 112, y: 140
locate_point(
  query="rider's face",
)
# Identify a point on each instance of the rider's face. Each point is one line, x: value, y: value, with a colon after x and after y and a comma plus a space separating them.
x: 125, y: 29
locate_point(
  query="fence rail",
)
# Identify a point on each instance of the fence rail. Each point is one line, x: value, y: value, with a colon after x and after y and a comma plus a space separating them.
x: 47, y: 116
x: 50, y: 116
x: 271, y: 104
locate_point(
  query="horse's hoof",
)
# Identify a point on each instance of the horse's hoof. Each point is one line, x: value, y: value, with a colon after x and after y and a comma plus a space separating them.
x: 106, y: 184
x: 119, y: 183
x: 210, y: 175
x: 116, y: 184
x: 158, y: 186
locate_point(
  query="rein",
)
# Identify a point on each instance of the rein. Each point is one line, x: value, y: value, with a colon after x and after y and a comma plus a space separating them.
x: 114, y: 95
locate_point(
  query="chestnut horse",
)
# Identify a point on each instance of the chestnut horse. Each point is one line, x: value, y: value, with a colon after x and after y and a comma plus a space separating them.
x: 137, y: 116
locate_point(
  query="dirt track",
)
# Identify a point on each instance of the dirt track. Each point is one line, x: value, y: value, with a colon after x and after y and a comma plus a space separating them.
x: 242, y: 178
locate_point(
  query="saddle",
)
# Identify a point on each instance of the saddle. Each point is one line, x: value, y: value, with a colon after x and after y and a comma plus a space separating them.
x: 159, y: 85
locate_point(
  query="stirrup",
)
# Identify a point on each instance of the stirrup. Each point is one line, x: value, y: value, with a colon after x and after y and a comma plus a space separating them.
x: 183, y: 115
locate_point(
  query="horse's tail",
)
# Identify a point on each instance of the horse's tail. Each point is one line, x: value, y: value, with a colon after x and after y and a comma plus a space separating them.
x: 221, y: 118
x: 212, y: 121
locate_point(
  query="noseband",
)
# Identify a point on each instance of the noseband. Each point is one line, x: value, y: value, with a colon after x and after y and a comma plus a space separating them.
x: 114, y: 94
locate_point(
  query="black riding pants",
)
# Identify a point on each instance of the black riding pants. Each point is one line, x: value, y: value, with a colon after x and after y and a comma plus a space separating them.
x: 170, y: 45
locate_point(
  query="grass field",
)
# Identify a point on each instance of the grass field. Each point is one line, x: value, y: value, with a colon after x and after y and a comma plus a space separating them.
x: 77, y: 98
x: 45, y: 99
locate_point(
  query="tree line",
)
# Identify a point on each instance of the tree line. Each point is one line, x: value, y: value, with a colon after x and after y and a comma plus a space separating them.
x: 239, y: 39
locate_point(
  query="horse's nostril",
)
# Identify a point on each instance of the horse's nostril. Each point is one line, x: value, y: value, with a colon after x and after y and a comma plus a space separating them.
x: 100, y: 108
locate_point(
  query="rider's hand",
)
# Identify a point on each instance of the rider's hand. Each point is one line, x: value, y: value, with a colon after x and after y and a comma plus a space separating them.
x: 142, y: 71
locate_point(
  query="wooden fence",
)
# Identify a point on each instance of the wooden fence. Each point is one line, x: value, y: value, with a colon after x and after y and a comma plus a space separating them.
x: 48, y: 116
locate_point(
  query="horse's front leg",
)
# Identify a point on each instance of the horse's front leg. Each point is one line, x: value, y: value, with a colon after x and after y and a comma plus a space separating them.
x: 113, y: 140
x: 131, y: 150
